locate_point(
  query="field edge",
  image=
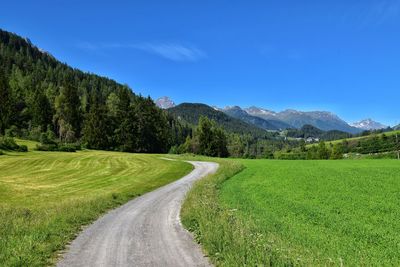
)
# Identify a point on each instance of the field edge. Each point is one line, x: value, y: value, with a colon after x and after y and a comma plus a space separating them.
x: 201, y: 212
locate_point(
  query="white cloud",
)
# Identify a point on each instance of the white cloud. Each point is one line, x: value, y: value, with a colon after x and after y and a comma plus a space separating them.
x: 171, y: 51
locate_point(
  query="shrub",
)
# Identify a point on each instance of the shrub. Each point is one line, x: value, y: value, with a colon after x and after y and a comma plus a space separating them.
x: 67, y: 148
x: 34, y: 133
x: 46, y: 139
x: 47, y: 147
x: 55, y: 147
x: 12, y: 131
x: 22, y: 148
x: 8, y: 143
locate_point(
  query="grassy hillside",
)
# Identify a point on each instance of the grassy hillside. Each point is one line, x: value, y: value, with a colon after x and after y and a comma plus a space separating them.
x: 45, y: 197
x: 303, y: 213
x: 362, y: 137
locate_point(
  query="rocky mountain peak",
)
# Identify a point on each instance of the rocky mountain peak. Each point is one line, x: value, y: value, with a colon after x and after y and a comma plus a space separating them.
x: 165, y: 102
x: 368, y: 124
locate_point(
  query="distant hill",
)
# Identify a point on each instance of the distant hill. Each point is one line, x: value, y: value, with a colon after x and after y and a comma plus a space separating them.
x: 397, y: 127
x: 165, y: 102
x: 308, y: 131
x: 191, y: 112
x: 368, y: 124
x: 296, y: 119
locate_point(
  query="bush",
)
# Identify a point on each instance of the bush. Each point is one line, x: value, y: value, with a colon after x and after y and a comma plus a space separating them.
x: 12, y: 132
x: 22, y: 148
x: 55, y: 147
x: 67, y: 148
x: 47, y: 147
x: 291, y: 156
x: 1, y: 153
x: 8, y: 143
x: 34, y: 133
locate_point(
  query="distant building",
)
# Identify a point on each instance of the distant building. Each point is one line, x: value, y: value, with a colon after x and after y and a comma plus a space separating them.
x: 312, y: 140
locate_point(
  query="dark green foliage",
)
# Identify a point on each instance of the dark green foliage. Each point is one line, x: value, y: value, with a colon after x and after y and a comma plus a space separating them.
x: 310, y: 131
x: 323, y: 152
x: 58, y: 147
x: 97, y: 126
x: 41, y: 110
x: 335, y: 135
x: 5, y: 103
x: 208, y: 140
x: 152, y: 126
x: 8, y: 143
x: 337, y: 151
x: 372, y: 144
x: 212, y: 139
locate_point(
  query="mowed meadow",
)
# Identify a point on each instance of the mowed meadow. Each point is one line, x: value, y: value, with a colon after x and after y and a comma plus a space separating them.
x: 46, y: 197
x: 313, y: 213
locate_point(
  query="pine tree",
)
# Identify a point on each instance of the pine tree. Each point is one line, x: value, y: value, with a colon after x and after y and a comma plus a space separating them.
x: 68, y: 110
x: 205, y: 135
x: 41, y: 110
x: 96, y: 131
x: 5, y: 104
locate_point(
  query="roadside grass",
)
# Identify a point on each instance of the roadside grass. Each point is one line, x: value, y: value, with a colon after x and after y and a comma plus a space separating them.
x: 302, y: 213
x: 46, y: 197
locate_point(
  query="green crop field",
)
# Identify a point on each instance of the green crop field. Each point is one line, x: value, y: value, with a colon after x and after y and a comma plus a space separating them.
x: 299, y: 213
x: 46, y: 197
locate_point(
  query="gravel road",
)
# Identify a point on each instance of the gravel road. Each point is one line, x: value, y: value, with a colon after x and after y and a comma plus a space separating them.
x: 144, y: 232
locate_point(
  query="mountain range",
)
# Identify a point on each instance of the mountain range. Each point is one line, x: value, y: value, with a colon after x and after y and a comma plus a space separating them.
x: 288, y: 119
x: 191, y: 112
x: 368, y: 124
x: 263, y: 123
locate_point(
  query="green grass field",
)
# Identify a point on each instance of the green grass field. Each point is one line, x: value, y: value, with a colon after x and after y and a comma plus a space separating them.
x: 299, y: 213
x: 46, y: 197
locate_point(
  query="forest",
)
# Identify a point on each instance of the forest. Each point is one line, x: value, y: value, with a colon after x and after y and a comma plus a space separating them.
x: 45, y: 100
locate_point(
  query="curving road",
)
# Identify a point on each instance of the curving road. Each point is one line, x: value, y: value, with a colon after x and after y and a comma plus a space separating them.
x: 144, y: 232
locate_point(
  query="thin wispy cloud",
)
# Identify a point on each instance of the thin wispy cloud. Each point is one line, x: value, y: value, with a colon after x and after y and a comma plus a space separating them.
x: 372, y: 13
x: 171, y: 51
x: 386, y: 10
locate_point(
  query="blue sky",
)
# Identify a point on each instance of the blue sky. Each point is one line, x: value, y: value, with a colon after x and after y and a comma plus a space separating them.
x: 337, y: 55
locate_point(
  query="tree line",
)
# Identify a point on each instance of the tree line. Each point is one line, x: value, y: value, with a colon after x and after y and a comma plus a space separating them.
x: 375, y: 146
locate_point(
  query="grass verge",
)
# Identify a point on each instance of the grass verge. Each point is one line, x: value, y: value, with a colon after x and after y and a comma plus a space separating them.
x: 203, y: 215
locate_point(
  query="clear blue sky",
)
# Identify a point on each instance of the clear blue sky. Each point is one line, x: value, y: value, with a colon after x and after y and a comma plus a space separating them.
x: 336, y: 55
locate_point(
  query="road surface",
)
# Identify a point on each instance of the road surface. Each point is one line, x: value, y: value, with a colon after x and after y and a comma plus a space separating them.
x: 144, y: 232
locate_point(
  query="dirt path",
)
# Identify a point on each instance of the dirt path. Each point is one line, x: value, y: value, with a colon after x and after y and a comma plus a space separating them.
x: 144, y: 232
